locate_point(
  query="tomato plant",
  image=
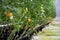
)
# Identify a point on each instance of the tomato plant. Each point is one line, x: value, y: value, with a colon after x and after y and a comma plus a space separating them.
x: 26, y: 12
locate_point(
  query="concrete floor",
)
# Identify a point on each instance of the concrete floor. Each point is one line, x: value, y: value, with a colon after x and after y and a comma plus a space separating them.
x: 50, y: 33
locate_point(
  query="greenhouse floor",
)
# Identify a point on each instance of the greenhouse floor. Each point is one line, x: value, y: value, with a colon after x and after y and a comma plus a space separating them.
x: 50, y: 33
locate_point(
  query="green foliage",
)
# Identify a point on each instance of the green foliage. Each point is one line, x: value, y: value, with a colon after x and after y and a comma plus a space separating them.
x: 38, y: 11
